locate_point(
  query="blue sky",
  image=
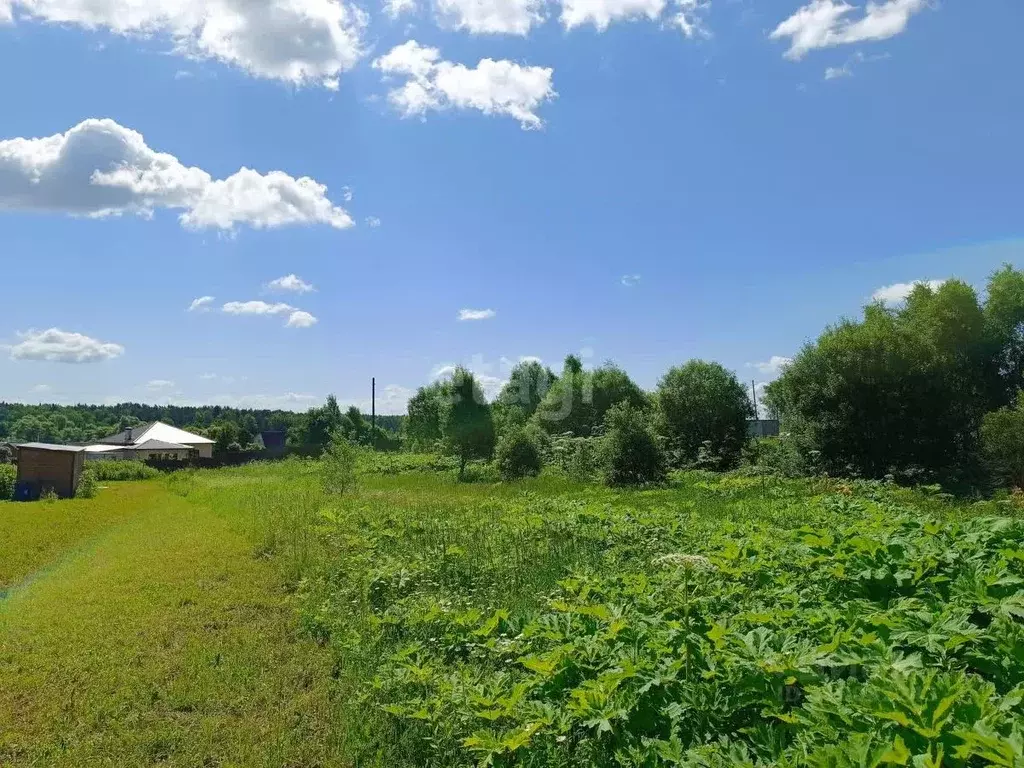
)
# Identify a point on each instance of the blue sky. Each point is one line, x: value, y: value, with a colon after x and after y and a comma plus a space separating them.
x: 756, y: 175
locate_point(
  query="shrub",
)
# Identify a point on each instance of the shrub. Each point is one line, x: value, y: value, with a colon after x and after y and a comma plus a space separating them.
x: 632, y: 455
x: 8, y: 476
x: 780, y: 456
x: 578, y: 457
x: 112, y: 471
x: 339, y: 465
x: 86, y: 484
x: 518, y: 456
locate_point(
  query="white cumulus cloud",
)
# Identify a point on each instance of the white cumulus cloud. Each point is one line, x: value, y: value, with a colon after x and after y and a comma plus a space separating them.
x: 492, y: 87
x: 297, y: 318
x: 630, y: 280
x: 292, y: 283
x: 57, y: 346
x: 828, y: 23
x: 687, y: 15
x: 476, y: 314
x: 302, y: 42
x: 100, y: 168
x: 510, y: 17
x: 300, y: 319
x: 894, y: 294
x: 773, y: 366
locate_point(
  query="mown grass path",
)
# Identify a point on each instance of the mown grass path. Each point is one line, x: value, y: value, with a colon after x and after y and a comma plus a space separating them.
x: 151, y: 635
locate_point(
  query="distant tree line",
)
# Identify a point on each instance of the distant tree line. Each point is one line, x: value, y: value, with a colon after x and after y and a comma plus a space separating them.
x: 231, y: 428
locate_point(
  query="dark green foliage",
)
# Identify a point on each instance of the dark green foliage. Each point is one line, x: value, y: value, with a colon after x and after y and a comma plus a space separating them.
x: 467, y: 428
x: 518, y: 455
x: 318, y: 425
x: 85, y: 423
x: 527, y: 385
x: 107, y: 471
x: 1002, y: 439
x: 903, y: 392
x: 578, y: 400
x: 702, y: 409
x: 631, y: 452
x: 8, y: 476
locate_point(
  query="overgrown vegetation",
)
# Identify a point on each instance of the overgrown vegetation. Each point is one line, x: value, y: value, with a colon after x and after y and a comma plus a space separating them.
x: 721, y: 620
x: 8, y: 477
x: 107, y: 471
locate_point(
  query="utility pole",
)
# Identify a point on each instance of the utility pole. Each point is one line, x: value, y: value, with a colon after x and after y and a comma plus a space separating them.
x: 753, y: 392
x: 373, y: 411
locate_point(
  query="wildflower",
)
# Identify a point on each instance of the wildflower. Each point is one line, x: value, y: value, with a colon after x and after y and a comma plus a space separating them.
x: 688, y: 562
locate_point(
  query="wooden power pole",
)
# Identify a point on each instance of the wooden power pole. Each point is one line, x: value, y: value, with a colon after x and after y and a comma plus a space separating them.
x: 373, y: 410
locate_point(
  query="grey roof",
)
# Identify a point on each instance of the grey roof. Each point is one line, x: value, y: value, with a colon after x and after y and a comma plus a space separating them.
x: 160, y: 445
x: 126, y: 437
x: 52, y: 447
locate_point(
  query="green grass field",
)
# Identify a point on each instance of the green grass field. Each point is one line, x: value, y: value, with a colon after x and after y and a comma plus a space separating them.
x: 243, y: 618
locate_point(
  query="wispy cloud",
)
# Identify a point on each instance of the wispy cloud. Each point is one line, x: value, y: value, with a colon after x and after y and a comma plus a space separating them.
x: 630, y: 280
x: 297, y: 318
x: 202, y: 304
x: 476, y: 314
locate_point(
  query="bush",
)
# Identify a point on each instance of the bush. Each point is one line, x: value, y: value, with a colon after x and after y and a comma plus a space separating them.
x: 578, y: 457
x: 780, y: 456
x: 113, y: 471
x: 86, y: 484
x: 339, y: 465
x: 632, y: 455
x: 8, y: 476
x: 518, y: 456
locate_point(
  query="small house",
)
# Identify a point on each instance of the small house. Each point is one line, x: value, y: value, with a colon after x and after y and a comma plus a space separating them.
x: 43, y: 467
x: 152, y: 441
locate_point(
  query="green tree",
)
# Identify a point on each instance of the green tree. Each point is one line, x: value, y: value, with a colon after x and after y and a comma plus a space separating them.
x: 698, y: 403
x: 578, y: 400
x: 1002, y: 439
x: 467, y: 427
x: 527, y: 385
x: 338, y: 465
x: 901, y: 392
x: 423, y: 425
x: 631, y: 453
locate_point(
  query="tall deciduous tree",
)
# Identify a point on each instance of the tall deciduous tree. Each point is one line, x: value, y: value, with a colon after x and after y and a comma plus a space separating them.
x: 578, y: 400
x: 699, y: 403
x: 905, y: 390
x: 423, y: 425
x: 467, y: 427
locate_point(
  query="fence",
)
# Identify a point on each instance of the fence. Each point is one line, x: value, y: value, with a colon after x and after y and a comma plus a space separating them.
x: 236, y: 459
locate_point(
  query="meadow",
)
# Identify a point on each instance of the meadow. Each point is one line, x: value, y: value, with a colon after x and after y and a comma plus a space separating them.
x: 244, y: 617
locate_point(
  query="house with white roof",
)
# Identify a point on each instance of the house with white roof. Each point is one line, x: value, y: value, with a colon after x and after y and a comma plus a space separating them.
x: 151, y: 441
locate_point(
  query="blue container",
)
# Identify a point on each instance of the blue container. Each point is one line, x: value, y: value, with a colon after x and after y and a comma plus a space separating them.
x: 27, y: 491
